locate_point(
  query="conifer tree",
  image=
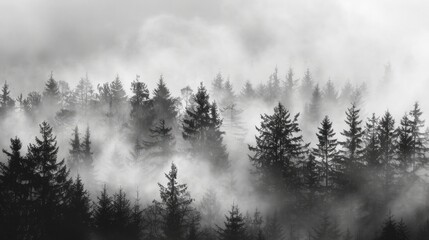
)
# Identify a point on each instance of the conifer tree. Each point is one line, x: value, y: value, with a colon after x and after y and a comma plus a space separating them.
x: 51, y: 182
x: 419, y: 150
x: 6, y: 102
x: 142, y: 113
x: 273, y: 229
x: 315, y: 106
x: 136, y: 222
x: 164, y: 104
x: 311, y: 180
x: 176, y: 204
x: 273, y: 87
x: 326, y: 230
x: 103, y: 214
x: 228, y: 95
x: 326, y: 151
x: 75, y: 150
x: 330, y: 94
x: 84, y: 93
x: 217, y: 152
x: 405, y: 145
x: 290, y: 88
x: 306, y: 87
x: 350, y: 162
x: 51, y: 94
x: 403, y: 233
x: 86, y: 149
x: 162, y: 138
x: 121, y: 210
x: 346, y: 94
x: 279, y: 150
x: 234, y: 226
x: 119, y: 96
x: 78, y: 212
x: 372, y: 143
x: 218, y: 86
x: 389, y: 230
x: 387, y: 136
x: 247, y: 93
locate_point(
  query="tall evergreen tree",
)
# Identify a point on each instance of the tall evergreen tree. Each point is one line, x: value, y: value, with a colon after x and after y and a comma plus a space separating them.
x: 247, y: 93
x: 51, y: 94
x: 119, y: 96
x: 121, y: 209
x: 306, y: 87
x: 326, y: 151
x: 389, y: 230
x: 315, y: 106
x: 279, y: 150
x: 290, y: 88
x: 218, y: 86
x: 162, y: 139
x: 142, y: 113
x: 327, y: 230
x: 405, y: 145
x: 234, y: 226
x: 75, y: 150
x: 176, y: 203
x: 419, y: 150
x: 84, y: 93
x: 350, y: 163
x: 372, y: 143
x: 6, y: 102
x: 273, y: 229
x: 164, y: 104
x: 86, y: 149
x: 51, y: 182
x: 103, y: 214
x: 387, y: 136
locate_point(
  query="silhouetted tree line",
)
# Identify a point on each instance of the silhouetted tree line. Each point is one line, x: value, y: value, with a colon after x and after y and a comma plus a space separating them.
x: 373, y: 162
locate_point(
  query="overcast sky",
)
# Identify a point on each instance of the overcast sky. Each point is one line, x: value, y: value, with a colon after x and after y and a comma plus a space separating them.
x: 189, y: 41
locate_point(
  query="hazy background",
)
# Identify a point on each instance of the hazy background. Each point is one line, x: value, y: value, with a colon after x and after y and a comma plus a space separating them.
x: 189, y: 41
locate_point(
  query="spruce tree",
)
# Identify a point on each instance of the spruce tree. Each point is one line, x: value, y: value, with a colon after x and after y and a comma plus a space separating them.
x: 419, y: 149
x: 84, y: 93
x: 136, y: 221
x: 119, y: 96
x: 247, y: 93
x: 228, y: 95
x: 6, y: 102
x: 75, y: 151
x: 311, y: 181
x: 326, y: 151
x: 372, y: 143
x: 330, y: 94
x: 389, y: 230
x: 121, y: 212
x: 176, y: 203
x: 164, y: 104
x: 290, y: 88
x: 103, y: 214
x: 86, y: 149
x: 387, y: 136
x: 405, y: 146
x: 162, y: 139
x: 51, y: 182
x: 216, y: 150
x: 51, y: 94
x: 306, y: 86
x: 273, y: 87
x: 142, y: 113
x: 279, y: 150
x: 350, y: 162
x: 403, y: 233
x: 326, y: 230
x: 78, y: 212
x: 234, y: 226
x: 273, y: 229
x: 218, y: 86
x: 315, y: 106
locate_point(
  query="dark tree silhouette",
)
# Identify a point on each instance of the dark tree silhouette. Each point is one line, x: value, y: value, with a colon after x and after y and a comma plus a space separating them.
x: 234, y: 226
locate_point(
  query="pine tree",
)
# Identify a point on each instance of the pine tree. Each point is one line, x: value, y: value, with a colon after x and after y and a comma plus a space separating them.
x: 405, y: 145
x: 216, y: 150
x: 273, y: 87
x: 350, y: 162
x: 311, y: 181
x: 176, y: 204
x: 6, y: 102
x: 162, y: 139
x: 75, y: 151
x: 78, y: 212
x: 306, y: 86
x: 51, y: 94
x: 121, y: 209
x: 346, y: 94
x: 273, y: 229
x: 234, y: 226
x: 164, y: 105
x: 228, y: 95
x: 247, y: 93
x: 218, y: 86
x: 51, y: 182
x: 402, y: 231
x: 142, y: 113
x: 330, y: 94
x: 389, y: 230
x: 372, y: 143
x: 278, y: 151
x: 290, y: 87
x: 86, y: 149
x: 315, y: 106
x: 119, y: 96
x: 84, y: 93
x: 326, y: 151
x: 419, y: 150
x: 103, y: 214
x: 136, y: 222
x: 327, y: 230
x: 14, y: 194
x: 387, y: 136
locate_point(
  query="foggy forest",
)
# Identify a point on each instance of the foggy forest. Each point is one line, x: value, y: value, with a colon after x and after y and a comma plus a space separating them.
x: 226, y: 134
